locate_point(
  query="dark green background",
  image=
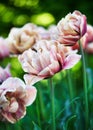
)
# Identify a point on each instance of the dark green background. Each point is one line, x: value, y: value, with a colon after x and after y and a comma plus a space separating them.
x: 19, y: 12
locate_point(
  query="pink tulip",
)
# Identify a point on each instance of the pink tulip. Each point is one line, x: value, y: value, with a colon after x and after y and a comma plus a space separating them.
x: 21, y: 39
x: 45, y: 59
x: 14, y: 97
x: 4, y: 51
x: 71, y: 28
x: 4, y: 73
x: 87, y: 40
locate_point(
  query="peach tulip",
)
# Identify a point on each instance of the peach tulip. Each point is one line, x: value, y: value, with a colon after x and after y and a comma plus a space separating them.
x: 71, y: 28
x: 21, y: 39
x: 45, y: 59
x: 14, y: 97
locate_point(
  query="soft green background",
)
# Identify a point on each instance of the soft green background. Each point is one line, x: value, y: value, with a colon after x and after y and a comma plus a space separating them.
x: 42, y: 12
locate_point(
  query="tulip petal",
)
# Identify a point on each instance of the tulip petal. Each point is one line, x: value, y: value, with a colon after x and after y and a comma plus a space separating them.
x: 71, y: 60
x: 32, y: 79
x: 30, y: 96
x: 9, y: 117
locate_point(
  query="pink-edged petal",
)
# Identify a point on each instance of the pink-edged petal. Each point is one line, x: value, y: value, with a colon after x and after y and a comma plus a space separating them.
x: 9, y: 117
x: 54, y: 67
x: 21, y: 112
x: 83, y: 26
x: 50, y: 70
x: 10, y: 82
x: 31, y: 93
x: 27, y: 67
x: 32, y: 79
x: 71, y: 60
x: 13, y: 117
x: 44, y: 59
x: 13, y: 107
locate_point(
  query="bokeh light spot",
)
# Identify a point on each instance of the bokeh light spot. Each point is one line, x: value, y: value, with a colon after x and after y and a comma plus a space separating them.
x: 43, y: 19
x: 20, y: 20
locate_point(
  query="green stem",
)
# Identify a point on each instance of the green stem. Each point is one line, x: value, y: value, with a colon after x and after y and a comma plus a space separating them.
x: 38, y: 112
x: 71, y: 92
x: 52, y: 104
x: 42, y: 105
x: 85, y: 86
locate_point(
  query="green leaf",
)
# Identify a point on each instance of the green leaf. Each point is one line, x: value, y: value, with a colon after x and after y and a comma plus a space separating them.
x: 70, y: 120
x: 36, y: 127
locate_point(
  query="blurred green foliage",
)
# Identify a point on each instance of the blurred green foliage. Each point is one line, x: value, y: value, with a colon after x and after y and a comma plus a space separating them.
x: 42, y: 12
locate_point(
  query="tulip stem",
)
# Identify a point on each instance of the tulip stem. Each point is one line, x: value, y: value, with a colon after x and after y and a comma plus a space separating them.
x: 85, y: 86
x: 52, y: 104
x: 42, y: 103
x: 38, y: 112
x: 71, y: 92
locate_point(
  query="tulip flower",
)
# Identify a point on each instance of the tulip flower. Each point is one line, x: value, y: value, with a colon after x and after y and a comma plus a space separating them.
x: 71, y: 28
x: 45, y: 59
x: 14, y: 97
x: 21, y: 39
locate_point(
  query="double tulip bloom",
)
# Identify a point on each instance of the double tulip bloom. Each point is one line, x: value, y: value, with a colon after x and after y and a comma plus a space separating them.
x: 14, y: 97
x: 71, y: 28
x: 45, y: 59
x: 21, y: 39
